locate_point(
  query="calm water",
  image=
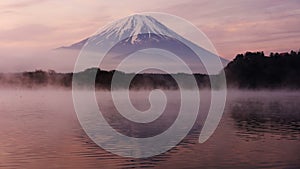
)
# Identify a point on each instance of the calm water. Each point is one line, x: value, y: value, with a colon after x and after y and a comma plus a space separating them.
x: 39, y: 129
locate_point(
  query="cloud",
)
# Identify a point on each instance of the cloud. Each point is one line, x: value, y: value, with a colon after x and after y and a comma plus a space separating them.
x: 25, y: 33
x: 22, y: 4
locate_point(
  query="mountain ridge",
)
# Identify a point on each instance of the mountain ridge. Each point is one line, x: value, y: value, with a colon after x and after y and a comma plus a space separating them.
x: 138, y: 32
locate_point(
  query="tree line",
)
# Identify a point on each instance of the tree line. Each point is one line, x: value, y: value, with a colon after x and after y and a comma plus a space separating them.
x: 255, y: 70
x: 252, y: 70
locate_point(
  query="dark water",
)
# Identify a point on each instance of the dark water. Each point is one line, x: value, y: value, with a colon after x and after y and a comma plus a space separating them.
x: 39, y: 129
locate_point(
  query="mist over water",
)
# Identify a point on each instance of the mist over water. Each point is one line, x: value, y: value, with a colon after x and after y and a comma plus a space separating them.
x: 259, y: 129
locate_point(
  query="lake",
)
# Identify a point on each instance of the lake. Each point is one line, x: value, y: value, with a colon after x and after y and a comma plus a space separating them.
x: 40, y: 129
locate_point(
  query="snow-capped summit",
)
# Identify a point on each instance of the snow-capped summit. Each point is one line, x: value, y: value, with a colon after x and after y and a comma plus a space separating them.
x: 133, y: 26
x: 130, y: 26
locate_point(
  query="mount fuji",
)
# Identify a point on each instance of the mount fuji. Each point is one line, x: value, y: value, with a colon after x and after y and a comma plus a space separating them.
x: 137, y: 32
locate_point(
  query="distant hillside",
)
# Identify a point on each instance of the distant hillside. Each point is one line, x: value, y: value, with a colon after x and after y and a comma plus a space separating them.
x: 246, y: 71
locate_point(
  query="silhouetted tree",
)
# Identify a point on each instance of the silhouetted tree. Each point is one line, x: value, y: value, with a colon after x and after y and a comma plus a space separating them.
x: 255, y: 70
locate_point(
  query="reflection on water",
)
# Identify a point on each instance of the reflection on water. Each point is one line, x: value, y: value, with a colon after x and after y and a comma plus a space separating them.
x: 39, y: 129
x: 256, y: 117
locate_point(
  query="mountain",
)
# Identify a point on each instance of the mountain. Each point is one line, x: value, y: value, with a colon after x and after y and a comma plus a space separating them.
x: 137, y: 32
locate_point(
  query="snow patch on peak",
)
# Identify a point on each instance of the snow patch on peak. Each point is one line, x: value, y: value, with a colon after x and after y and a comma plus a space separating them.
x: 132, y: 26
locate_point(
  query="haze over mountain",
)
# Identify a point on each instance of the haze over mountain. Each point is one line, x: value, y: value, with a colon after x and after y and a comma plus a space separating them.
x: 150, y: 41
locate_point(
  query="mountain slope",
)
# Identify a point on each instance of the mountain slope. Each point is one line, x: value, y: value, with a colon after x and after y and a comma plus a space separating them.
x: 138, y: 32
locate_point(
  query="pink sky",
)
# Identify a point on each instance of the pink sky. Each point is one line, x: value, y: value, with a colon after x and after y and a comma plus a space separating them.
x: 31, y: 27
